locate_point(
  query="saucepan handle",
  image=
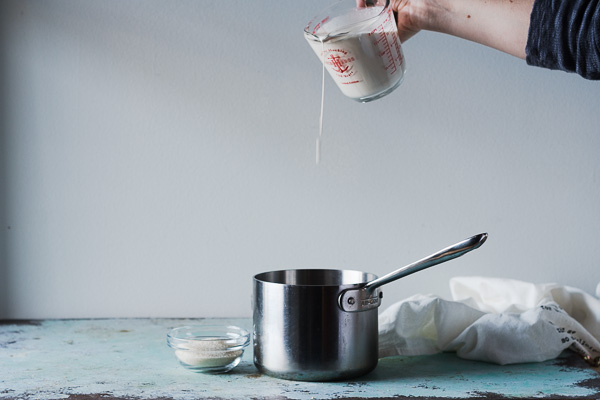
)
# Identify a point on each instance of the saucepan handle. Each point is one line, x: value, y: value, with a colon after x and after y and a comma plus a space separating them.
x: 368, y: 296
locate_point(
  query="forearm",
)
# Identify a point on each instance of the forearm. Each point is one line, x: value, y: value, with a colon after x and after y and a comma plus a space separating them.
x: 564, y: 34
x: 501, y: 24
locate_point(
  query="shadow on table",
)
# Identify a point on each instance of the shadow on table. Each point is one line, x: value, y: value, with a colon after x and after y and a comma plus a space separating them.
x: 451, y: 366
x: 444, y: 366
x: 423, y: 367
x: 395, y: 368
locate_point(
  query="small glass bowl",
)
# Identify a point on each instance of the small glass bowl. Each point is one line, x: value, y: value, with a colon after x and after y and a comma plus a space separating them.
x: 209, y: 348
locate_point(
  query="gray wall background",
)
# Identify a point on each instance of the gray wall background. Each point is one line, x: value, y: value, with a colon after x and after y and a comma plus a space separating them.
x: 155, y: 155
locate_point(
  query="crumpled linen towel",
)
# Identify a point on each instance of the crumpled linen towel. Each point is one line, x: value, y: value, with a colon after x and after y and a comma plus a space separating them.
x: 497, y: 320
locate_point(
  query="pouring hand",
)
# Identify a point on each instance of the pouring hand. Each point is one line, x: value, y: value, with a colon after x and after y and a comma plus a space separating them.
x: 411, y: 16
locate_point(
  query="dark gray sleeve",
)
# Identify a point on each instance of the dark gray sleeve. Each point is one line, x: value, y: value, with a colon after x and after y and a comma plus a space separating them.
x: 565, y: 35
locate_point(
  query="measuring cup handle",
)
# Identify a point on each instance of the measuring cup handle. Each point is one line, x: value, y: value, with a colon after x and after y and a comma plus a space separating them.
x: 441, y: 256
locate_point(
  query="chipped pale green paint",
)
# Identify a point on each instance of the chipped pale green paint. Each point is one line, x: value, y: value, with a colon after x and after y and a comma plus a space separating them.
x: 129, y: 358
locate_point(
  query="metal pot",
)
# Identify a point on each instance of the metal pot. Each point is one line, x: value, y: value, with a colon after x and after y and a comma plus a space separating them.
x: 321, y: 325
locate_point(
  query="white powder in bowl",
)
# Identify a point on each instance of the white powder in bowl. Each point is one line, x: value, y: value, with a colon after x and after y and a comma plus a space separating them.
x: 206, y: 353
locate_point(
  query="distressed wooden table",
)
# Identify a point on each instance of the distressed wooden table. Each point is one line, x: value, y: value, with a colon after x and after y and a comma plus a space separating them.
x: 129, y: 359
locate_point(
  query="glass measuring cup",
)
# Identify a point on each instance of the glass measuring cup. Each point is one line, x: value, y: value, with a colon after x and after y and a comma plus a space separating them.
x: 357, y: 41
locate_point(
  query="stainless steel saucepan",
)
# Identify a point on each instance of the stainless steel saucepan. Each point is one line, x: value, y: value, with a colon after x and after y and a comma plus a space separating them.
x: 321, y: 325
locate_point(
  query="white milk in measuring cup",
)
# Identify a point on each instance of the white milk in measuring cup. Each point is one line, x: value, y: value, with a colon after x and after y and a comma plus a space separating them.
x: 359, y: 47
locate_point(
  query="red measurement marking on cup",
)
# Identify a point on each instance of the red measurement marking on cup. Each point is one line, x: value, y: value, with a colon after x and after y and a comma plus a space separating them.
x: 383, y: 44
x: 398, y: 50
x: 382, y: 41
x: 318, y: 26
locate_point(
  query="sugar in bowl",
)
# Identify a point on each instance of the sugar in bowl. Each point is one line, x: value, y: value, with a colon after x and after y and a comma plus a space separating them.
x: 209, y: 348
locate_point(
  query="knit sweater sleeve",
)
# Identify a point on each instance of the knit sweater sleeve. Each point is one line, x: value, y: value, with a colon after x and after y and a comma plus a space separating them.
x: 565, y: 35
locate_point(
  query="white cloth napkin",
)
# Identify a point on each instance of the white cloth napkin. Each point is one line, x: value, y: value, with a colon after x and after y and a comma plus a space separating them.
x: 503, y: 321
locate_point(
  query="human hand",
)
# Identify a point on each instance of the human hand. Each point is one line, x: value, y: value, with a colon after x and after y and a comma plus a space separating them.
x: 409, y: 14
x: 410, y: 17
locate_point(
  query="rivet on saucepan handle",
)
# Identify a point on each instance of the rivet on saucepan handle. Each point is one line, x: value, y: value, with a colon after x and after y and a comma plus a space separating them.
x: 354, y: 300
x: 367, y: 296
